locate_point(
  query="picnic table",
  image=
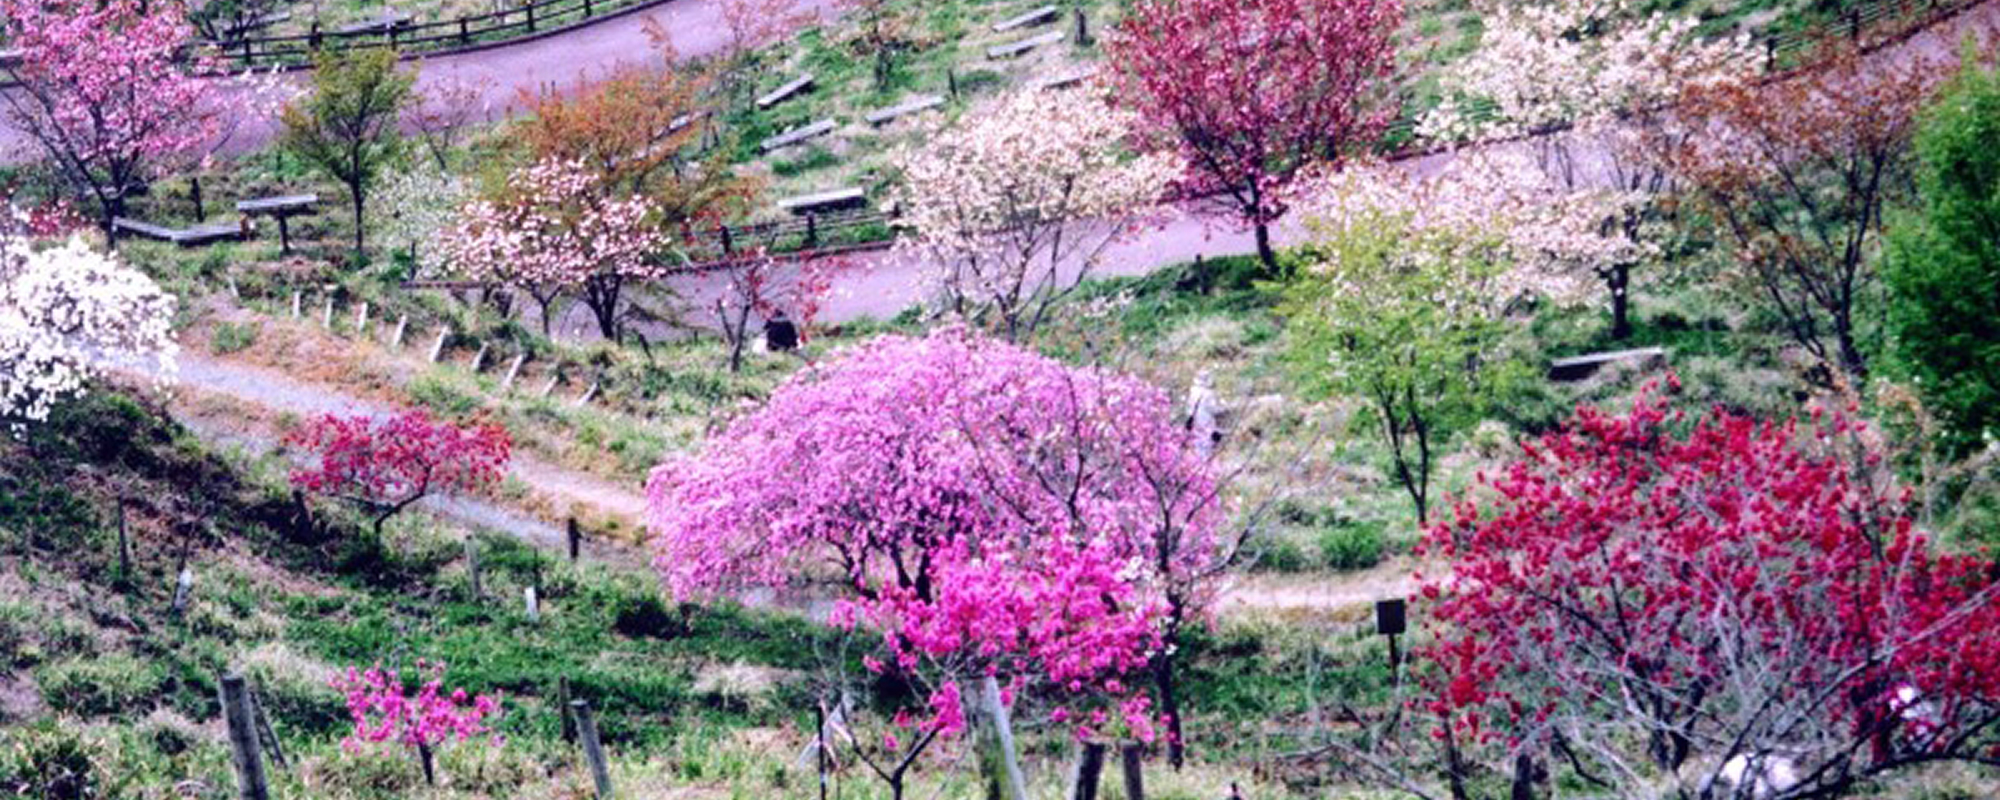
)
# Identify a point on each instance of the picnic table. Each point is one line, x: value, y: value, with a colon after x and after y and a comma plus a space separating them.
x: 283, y: 207
x: 1579, y: 367
x: 824, y: 201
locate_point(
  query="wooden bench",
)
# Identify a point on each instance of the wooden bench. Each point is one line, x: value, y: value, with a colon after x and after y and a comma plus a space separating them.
x: 283, y: 207
x: 785, y: 92
x: 796, y: 135
x: 11, y: 57
x: 1016, y: 48
x: 834, y: 200
x: 1067, y: 80
x: 1039, y: 16
x: 184, y: 237
x: 386, y: 21
x: 1579, y: 367
x: 907, y: 108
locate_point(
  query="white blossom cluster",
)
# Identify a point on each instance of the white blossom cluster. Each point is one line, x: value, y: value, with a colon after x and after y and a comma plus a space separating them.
x: 1576, y: 62
x: 68, y: 313
x: 421, y: 203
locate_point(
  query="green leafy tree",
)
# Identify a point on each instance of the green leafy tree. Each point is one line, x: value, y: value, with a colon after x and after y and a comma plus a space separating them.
x: 1409, y: 318
x: 1944, y: 263
x: 346, y: 126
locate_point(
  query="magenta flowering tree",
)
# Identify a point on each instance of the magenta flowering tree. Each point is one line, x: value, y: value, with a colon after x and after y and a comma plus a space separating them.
x: 1253, y: 91
x: 104, y: 92
x: 384, y: 712
x: 927, y: 478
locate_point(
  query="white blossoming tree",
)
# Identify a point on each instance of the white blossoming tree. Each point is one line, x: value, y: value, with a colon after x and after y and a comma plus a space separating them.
x: 67, y: 313
x: 1592, y: 78
x: 1014, y: 206
x: 420, y: 204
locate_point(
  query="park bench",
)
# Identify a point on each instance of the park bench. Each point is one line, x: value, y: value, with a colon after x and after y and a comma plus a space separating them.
x: 282, y: 207
x: 381, y: 23
x: 1016, y: 48
x: 1038, y: 16
x: 1066, y: 80
x: 785, y: 92
x: 11, y: 57
x: 1579, y: 367
x: 796, y: 135
x: 185, y: 237
x: 822, y: 202
x: 924, y: 103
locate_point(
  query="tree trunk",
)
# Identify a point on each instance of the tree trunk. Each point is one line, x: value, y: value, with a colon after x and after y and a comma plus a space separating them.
x: 1620, y: 281
x: 354, y: 191
x: 1264, y: 251
x: 1170, y: 705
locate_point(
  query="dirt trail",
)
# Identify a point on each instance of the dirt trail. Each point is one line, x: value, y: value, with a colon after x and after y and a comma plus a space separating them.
x: 278, y: 392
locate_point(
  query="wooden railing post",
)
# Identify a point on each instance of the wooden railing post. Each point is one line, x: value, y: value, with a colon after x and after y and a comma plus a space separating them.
x: 464, y: 33
x: 593, y: 747
x: 531, y: 17
x: 241, y: 721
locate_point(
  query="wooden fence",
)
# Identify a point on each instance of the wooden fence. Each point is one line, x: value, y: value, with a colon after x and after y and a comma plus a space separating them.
x: 534, y: 19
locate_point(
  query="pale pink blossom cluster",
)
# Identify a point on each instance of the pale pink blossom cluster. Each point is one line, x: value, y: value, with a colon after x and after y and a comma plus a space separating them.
x: 384, y: 711
x: 1577, y: 62
x: 1014, y: 204
x: 69, y: 312
x: 556, y: 225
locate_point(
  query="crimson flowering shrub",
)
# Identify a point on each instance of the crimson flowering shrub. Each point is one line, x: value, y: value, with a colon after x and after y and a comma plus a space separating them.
x: 386, y: 464
x: 992, y: 512
x: 1708, y: 601
x: 384, y: 711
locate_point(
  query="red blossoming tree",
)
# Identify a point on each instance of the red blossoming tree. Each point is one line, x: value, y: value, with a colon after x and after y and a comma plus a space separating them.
x: 104, y: 92
x: 384, y: 465
x: 1252, y: 91
x: 1717, y: 607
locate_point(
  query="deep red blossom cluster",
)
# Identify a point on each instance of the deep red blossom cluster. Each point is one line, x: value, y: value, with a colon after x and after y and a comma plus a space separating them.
x: 1717, y: 586
x: 385, y: 464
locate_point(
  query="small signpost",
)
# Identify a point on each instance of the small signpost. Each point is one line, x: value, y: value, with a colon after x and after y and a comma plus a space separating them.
x: 1391, y: 620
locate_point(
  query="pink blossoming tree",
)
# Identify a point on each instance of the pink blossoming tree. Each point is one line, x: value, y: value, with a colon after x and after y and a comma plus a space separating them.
x: 384, y: 711
x: 385, y: 465
x: 940, y: 482
x: 105, y: 93
x: 556, y: 229
x: 1252, y: 91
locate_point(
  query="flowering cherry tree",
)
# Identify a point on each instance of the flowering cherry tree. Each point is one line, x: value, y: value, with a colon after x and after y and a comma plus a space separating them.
x: 1592, y: 79
x: 1833, y: 140
x: 384, y: 711
x: 760, y: 285
x: 555, y: 230
x: 385, y: 465
x: 104, y: 92
x: 1706, y: 602
x: 67, y: 312
x: 1011, y: 207
x: 1252, y: 91
x: 902, y: 469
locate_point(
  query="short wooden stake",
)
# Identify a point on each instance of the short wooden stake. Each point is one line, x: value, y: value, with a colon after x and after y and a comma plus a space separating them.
x: 402, y: 323
x: 513, y: 369
x: 550, y: 386
x: 575, y: 539
x: 295, y: 304
x: 1089, y: 770
x: 326, y: 314
x: 587, y: 394
x: 124, y: 546
x: 562, y: 708
x: 997, y: 711
x: 593, y: 748
x: 533, y: 603
x: 183, y: 585
x: 234, y: 292
x: 479, y: 358
x: 472, y: 565
x: 361, y: 319
x: 237, y: 713
x: 438, y: 348
x: 1131, y: 756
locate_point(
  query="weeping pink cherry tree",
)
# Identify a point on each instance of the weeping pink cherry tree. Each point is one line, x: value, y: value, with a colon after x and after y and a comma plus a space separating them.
x: 990, y: 511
